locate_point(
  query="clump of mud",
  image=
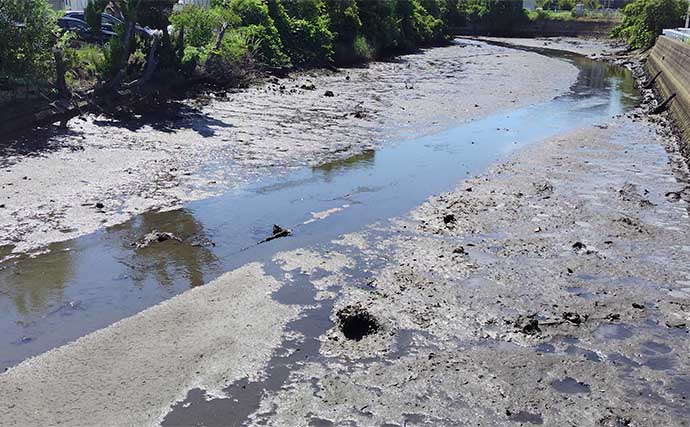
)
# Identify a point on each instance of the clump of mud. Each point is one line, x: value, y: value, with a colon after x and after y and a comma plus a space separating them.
x: 356, y: 322
x: 155, y: 237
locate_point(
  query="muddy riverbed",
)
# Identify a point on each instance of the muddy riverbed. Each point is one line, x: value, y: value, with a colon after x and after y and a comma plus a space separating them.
x: 102, y: 172
x: 551, y: 289
x: 82, y: 285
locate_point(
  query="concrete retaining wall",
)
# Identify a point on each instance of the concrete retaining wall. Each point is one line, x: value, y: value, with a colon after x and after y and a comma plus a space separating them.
x: 672, y: 58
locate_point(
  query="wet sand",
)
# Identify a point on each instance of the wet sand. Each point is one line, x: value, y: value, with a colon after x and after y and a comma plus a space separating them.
x: 101, y: 173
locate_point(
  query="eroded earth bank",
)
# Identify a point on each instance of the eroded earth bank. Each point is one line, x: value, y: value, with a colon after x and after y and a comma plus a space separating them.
x: 553, y: 288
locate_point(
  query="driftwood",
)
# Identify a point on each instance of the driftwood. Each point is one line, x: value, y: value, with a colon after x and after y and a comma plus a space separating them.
x: 651, y: 82
x: 664, y: 105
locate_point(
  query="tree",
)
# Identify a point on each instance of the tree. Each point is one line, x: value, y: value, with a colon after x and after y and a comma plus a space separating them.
x: 27, y: 35
x: 120, y: 48
x: 156, y: 13
x: 644, y: 20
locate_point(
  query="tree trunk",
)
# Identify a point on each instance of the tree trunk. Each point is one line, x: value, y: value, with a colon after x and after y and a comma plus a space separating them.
x: 122, y: 63
x: 60, y: 70
x: 151, y: 64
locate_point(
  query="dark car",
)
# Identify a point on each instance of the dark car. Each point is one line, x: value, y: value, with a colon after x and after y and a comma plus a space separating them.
x: 83, y: 30
x: 76, y: 21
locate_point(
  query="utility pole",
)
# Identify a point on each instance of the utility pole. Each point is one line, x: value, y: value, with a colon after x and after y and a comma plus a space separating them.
x: 687, y: 16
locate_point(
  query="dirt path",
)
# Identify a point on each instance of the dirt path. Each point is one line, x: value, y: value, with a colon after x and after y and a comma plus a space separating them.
x: 101, y: 173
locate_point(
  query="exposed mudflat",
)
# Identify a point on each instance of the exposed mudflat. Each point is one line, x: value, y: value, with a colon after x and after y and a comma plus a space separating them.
x: 102, y: 172
x: 128, y: 373
x: 552, y: 289
x: 590, y: 47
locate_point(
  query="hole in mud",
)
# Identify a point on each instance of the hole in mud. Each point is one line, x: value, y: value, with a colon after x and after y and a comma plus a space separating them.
x: 356, y: 323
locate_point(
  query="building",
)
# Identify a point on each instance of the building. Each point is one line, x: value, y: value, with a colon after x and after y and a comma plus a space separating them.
x: 68, y: 4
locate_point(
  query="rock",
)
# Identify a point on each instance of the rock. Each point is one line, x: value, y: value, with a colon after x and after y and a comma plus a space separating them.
x: 615, y: 421
x: 100, y: 205
x: 676, y: 324
x: 278, y: 232
x: 155, y: 237
x: 544, y: 187
x: 613, y: 317
x: 449, y: 219
x: 638, y: 306
x: 574, y: 318
x: 581, y: 248
x: 329, y: 94
x: 309, y: 86
x: 673, y: 196
x: 528, y: 325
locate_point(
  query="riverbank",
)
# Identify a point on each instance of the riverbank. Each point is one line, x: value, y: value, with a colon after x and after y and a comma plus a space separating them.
x: 100, y: 173
x: 538, y: 292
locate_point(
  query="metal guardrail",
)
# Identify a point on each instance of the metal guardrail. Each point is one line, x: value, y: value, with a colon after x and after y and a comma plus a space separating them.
x: 682, y: 34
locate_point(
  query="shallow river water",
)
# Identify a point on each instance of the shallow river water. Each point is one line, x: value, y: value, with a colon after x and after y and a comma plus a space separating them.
x: 88, y: 283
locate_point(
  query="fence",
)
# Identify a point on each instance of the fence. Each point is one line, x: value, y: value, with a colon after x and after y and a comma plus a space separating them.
x: 682, y: 34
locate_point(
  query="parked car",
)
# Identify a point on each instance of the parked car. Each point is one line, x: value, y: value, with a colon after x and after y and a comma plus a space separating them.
x: 83, y: 31
x: 76, y: 21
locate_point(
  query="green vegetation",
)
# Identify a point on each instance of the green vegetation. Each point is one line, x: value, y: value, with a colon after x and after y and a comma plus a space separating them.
x: 645, y: 19
x: 213, y: 43
x: 28, y: 33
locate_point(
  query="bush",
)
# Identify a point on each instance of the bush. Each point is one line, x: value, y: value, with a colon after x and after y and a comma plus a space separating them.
x: 362, y: 49
x: 156, y: 13
x: 257, y: 26
x: 27, y: 34
x: 200, y: 25
x: 472, y: 11
x: 303, y: 26
x: 265, y: 43
x: 85, y: 62
x: 644, y: 20
x: 345, y: 26
x: 380, y: 25
x: 502, y: 14
x: 417, y: 26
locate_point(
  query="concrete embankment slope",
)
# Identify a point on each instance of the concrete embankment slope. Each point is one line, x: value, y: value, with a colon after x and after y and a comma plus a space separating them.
x: 672, y: 59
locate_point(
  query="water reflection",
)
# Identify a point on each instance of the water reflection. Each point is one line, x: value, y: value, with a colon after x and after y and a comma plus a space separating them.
x: 171, y: 260
x: 363, y: 160
x: 36, y: 284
